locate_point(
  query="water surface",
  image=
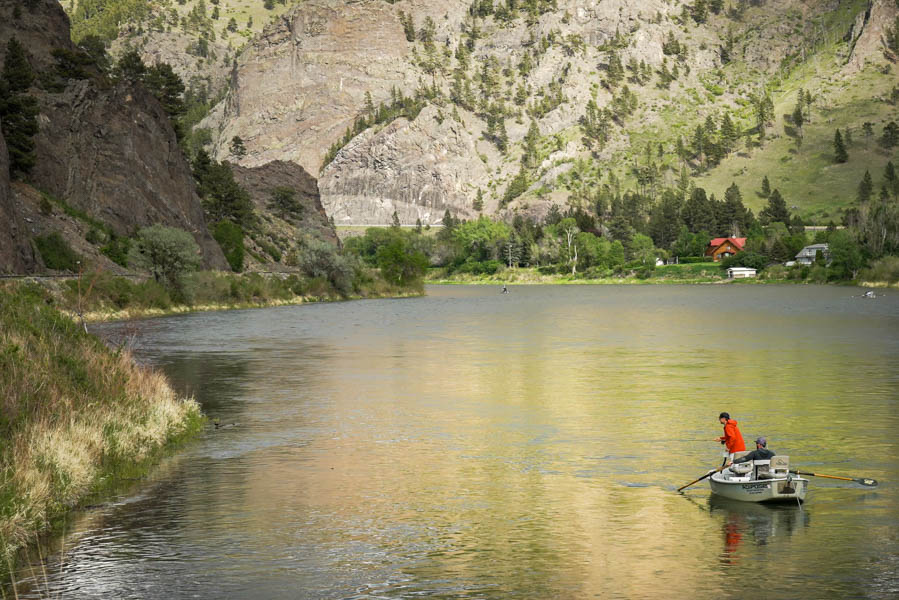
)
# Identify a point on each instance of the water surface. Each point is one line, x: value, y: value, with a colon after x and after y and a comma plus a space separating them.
x: 470, y: 444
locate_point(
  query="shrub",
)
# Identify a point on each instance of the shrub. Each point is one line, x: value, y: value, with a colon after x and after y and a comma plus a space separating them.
x: 166, y: 252
x: 56, y: 252
x: 885, y: 269
x: 230, y: 238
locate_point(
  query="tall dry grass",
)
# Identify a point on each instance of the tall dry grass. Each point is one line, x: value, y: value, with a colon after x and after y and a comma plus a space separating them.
x: 72, y: 413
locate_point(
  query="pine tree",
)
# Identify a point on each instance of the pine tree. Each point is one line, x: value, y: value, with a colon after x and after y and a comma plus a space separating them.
x: 615, y: 71
x: 700, y: 11
x: 776, y: 211
x: 728, y: 132
x: 17, y: 71
x: 478, y: 203
x: 395, y: 221
x: 237, y: 147
x: 839, y: 148
x: 891, y: 179
x: 18, y: 110
x: 766, y: 187
x: 865, y: 188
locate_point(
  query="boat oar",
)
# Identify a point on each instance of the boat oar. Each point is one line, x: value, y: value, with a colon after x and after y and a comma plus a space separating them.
x: 862, y: 480
x: 718, y: 470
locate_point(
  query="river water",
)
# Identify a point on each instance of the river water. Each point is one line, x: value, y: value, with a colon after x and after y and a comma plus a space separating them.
x: 470, y: 444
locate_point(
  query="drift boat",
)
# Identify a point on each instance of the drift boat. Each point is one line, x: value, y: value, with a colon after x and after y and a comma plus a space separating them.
x: 760, y: 481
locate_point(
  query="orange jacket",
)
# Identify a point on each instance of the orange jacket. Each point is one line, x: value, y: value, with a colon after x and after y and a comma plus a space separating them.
x: 732, y: 437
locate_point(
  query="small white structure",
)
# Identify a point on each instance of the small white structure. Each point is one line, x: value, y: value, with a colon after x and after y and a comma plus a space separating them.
x: 740, y: 272
x: 807, y: 255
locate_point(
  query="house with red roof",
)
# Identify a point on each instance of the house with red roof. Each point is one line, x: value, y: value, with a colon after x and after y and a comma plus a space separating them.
x: 720, y: 248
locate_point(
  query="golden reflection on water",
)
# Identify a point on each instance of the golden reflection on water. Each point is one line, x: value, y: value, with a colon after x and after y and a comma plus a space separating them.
x: 528, y: 445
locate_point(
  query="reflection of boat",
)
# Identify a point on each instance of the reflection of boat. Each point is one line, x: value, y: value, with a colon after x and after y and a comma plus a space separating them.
x: 760, y: 481
x: 761, y: 522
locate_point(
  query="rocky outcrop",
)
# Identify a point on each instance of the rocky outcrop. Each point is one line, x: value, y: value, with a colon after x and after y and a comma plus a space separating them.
x: 16, y: 254
x: 303, y: 81
x: 211, y: 72
x: 418, y: 169
x: 867, y: 38
x: 113, y: 154
x: 310, y: 218
x: 109, y: 150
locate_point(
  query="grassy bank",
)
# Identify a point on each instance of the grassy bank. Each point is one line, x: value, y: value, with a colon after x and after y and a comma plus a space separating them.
x: 667, y: 274
x: 688, y: 273
x: 103, y: 297
x: 75, y: 416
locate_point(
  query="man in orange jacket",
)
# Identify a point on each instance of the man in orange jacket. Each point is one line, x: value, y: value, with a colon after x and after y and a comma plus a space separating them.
x: 732, y: 438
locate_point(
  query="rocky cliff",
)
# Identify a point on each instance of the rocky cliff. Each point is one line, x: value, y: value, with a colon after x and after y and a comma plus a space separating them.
x: 106, y: 149
x: 303, y: 82
x: 283, y: 229
x: 16, y: 254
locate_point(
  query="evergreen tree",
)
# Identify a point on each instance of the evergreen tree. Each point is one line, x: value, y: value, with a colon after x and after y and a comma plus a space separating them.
x: 728, y: 133
x: 797, y: 116
x: 700, y: 11
x: 615, y: 71
x: 478, y: 203
x: 865, y: 188
x: 766, y: 187
x: 776, y: 210
x: 18, y: 110
x: 395, y: 221
x: 890, y: 137
x: 237, y: 147
x: 839, y: 148
x: 17, y: 71
x: 529, y: 158
x: 891, y: 179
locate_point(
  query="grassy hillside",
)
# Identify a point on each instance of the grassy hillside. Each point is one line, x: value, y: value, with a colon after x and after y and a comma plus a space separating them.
x: 74, y: 413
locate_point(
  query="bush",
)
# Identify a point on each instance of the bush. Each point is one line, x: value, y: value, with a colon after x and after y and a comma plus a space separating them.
x: 230, y: 238
x: 166, y: 252
x: 56, y: 252
x: 117, y: 250
x: 487, y: 267
x: 885, y: 269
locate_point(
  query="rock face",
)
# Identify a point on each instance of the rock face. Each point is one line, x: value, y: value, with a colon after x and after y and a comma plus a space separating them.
x: 109, y: 150
x: 303, y: 81
x: 261, y: 181
x: 16, y: 254
x: 418, y: 169
x: 113, y: 154
x: 868, y: 34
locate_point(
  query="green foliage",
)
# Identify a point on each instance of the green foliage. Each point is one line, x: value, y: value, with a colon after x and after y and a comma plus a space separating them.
x: 230, y: 238
x: 56, y: 252
x: 117, y: 250
x: 223, y: 198
x: 517, y: 187
x: 752, y: 260
x: 284, y: 203
x: 167, y: 253
x: 401, y: 264
x: 18, y: 109
x: 840, y: 154
x: 845, y: 255
x: 775, y: 211
x: 102, y: 18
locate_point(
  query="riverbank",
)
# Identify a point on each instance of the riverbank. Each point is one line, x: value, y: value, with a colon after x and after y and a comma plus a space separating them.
x: 76, y: 416
x: 697, y: 273
x: 103, y: 297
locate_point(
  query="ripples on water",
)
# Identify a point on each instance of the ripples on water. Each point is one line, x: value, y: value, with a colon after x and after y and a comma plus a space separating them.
x: 477, y: 445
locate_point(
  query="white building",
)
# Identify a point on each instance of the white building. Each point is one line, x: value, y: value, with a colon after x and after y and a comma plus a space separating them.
x: 740, y: 272
x: 807, y: 255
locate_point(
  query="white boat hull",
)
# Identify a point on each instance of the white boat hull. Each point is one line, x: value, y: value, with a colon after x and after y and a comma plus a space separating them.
x: 781, y: 489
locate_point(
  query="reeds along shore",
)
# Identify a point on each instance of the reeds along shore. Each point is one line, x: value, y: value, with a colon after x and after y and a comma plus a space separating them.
x: 73, y: 414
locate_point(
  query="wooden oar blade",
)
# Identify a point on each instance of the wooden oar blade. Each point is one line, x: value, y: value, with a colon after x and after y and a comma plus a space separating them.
x: 867, y: 481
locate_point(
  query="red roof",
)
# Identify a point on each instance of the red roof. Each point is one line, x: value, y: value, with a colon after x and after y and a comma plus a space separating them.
x: 738, y: 242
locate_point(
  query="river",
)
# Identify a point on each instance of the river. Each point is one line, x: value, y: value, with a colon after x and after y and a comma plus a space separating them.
x: 470, y: 444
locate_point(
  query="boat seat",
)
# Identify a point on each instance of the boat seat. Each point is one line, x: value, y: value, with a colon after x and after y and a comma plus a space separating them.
x: 742, y: 468
x: 763, y: 469
x: 780, y: 465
